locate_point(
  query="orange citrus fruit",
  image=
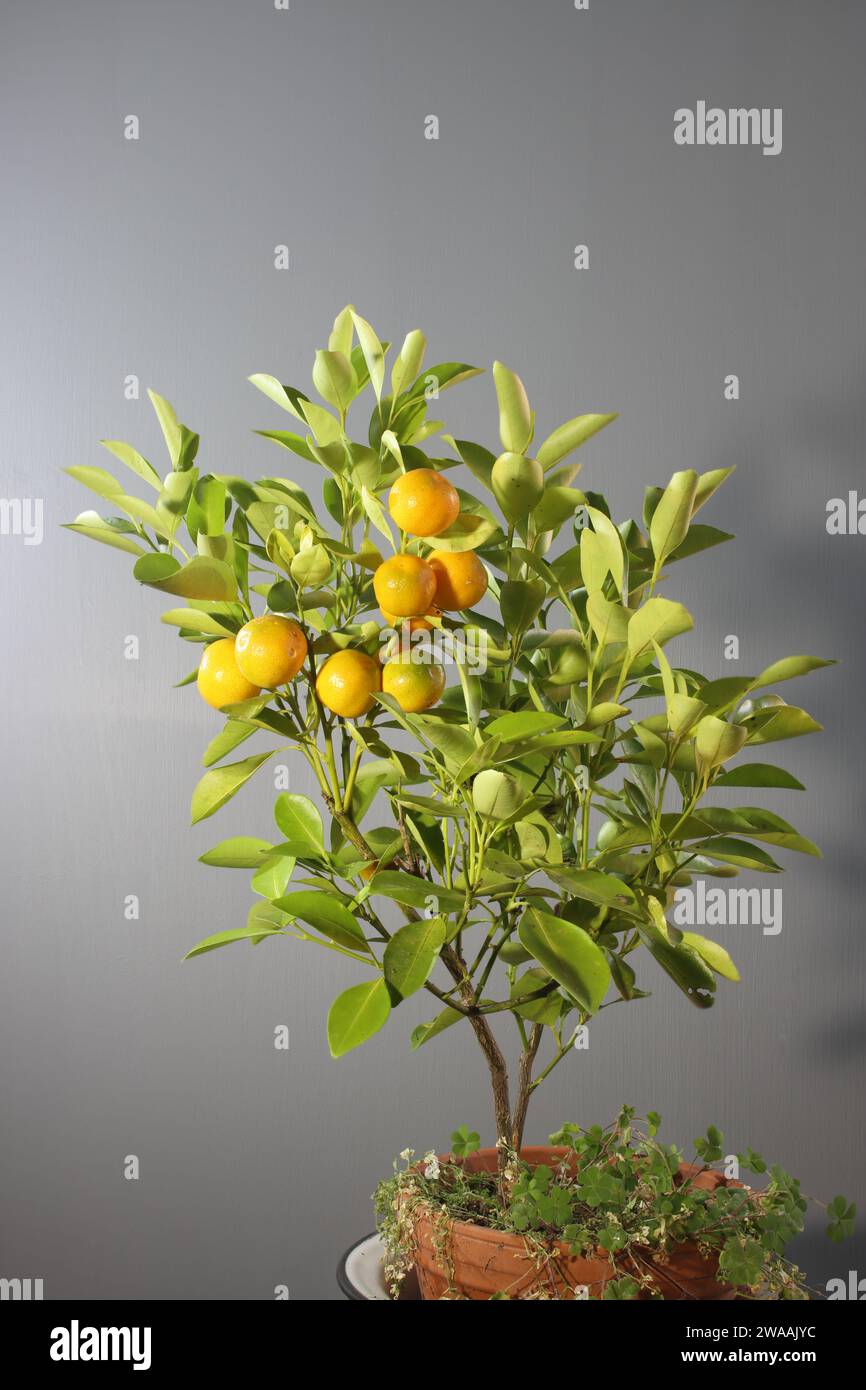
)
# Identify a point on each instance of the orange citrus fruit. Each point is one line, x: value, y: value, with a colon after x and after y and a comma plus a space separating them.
x: 404, y: 586
x: 414, y: 684
x: 423, y: 503
x: 347, y: 683
x: 220, y: 680
x: 461, y: 579
x: 270, y: 650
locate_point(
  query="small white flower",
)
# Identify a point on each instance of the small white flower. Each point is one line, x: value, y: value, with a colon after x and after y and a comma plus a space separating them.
x: 407, y: 1155
x: 431, y: 1165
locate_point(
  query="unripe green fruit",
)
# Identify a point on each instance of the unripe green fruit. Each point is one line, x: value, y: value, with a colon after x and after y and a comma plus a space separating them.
x: 496, y: 795
x: 745, y: 709
x: 517, y: 484
x: 607, y: 834
x: 514, y: 954
x: 768, y: 701
x: 571, y: 666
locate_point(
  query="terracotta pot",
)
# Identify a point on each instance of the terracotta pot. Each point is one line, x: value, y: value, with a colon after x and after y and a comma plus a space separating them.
x: 684, y: 1273
x: 484, y: 1262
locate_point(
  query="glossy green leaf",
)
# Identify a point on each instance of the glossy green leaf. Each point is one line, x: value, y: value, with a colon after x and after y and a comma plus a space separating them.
x: 97, y: 528
x: 356, y: 1015
x: 567, y: 953
x: 568, y: 437
x: 658, y: 620
x: 225, y: 938
x: 201, y: 578
x: 239, y: 852
x: 327, y: 914
x: 134, y: 461
x: 414, y: 892
x: 758, y: 775
x: 299, y: 820
x: 789, y: 667
x: 716, y: 957
x: 220, y: 784
x: 515, y: 416
x: 671, y: 517
x: 374, y: 355
x: 411, y: 954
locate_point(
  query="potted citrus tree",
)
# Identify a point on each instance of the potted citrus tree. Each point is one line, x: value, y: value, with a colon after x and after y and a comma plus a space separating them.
x: 515, y: 773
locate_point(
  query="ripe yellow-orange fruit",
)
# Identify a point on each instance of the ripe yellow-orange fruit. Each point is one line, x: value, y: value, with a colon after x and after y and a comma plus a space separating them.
x: 270, y: 650
x: 347, y: 683
x: 220, y: 680
x: 404, y: 586
x: 423, y: 503
x: 414, y: 684
x: 461, y: 579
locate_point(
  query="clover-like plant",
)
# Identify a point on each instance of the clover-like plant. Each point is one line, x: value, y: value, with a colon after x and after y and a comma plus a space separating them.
x: 540, y: 809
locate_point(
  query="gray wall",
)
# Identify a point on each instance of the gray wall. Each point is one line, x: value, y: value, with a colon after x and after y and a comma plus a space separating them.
x: 156, y: 258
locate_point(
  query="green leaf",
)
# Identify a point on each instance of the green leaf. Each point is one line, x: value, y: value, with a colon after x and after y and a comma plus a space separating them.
x: 708, y: 483
x: 478, y: 460
x: 520, y: 601
x: 555, y: 506
x: 411, y: 954
x: 334, y: 379
x: 545, y: 1010
x: 733, y: 851
x: 293, y: 442
x: 671, y: 517
x: 220, y: 784
x: 408, y: 361
x: 134, y: 461
x: 201, y: 578
x: 283, y: 396
x: 272, y: 878
x: 567, y: 953
x: 605, y: 890
x: 789, y: 667
x: 758, y: 775
x: 782, y: 721
x: 717, y: 741
x: 515, y: 417
x: 374, y: 355
x: 97, y: 479
x: 327, y: 914
x: 225, y: 938
x: 611, y: 544
x: 568, y: 437
x: 425, y: 1031
x: 682, y: 963
x: 239, y: 852
x: 523, y: 724
x: 356, y: 1015
x: 97, y: 528
x: 413, y: 892
x: 716, y: 957
x: 170, y: 426
x: 373, y: 507
x: 609, y: 621
x: 298, y: 819
x: 197, y: 621
x: 444, y: 374
x: 658, y: 620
